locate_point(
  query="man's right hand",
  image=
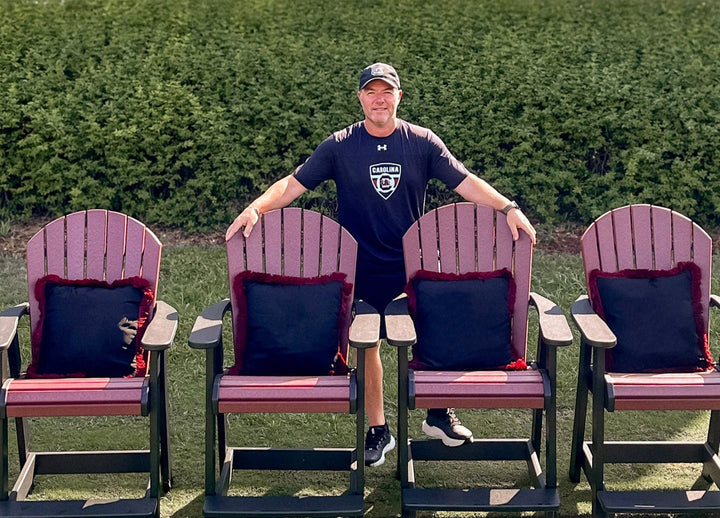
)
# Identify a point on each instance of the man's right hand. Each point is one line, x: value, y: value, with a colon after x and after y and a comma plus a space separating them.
x: 246, y: 221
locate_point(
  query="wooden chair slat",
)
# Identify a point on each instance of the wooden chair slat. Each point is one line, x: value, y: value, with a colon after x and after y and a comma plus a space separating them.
x: 466, y: 241
x: 447, y: 245
x: 96, y: 242
x: 428, y: 243
x: 292, y: 247
x: 115, y: 251
x: 522, y: 275
x: 682, y: 238
x: 485, y: 239
x: 348, y: 254
x: 503, y: 244
x: 642, y: 236
x: 606, y: 235
x: 312, y: 243
x: 589, y: 251
x: 134, y: 248
x: 79, y: 410
x: 662, y: 238
x: 283, y: 407
x: 413, y: 261
x: 55, y: 247
x: 622, y: 230
x: 75, y: 228
x: 273, y: 242
x: 331, y: 245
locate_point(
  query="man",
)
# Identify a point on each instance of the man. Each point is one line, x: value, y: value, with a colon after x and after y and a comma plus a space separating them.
x: 381, y: 167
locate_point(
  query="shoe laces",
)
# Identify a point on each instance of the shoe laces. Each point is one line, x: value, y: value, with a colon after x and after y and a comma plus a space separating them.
x: 452, y: 417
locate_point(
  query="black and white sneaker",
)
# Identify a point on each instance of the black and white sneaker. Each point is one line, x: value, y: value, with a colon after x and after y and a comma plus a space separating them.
x: 378, y: 442
x: 442, y: 423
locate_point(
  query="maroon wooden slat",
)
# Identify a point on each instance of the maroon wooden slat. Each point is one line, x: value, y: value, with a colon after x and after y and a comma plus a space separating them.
x: 292, y: 246
x: 589, y: 251
x: 428, y: 242
x: 447, y: 245
x: 55, y: 247
x: 662, y: 238
x: 503, y: 243
x: 272, y: 223
x: 682, y: 238
x: 411, y: 246
x: 96, y: 242
x: 115, y: 251
x: 606, y: 236
x: 286, y: 406
x: 624, y: 248
x: 642, y: 236
x: 134, y: 248
x: 331, y: 246
x: 466, y: 242
x: 75, y: 245
x: 485, y: 239
x: 702, y: 256
x: 522, y: 274
x: 312, y: 243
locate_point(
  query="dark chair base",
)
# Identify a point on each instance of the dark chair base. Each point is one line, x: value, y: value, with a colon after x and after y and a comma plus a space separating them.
x: 280, y: 506
x: 663, y: 502
x: 499, y: 500
x: 139, y: 508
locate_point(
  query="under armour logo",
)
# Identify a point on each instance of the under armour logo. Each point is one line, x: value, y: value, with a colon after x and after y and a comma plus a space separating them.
x: 382, y: 147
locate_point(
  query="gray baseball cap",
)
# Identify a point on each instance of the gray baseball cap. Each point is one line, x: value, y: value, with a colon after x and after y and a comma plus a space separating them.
x: 379, y: 71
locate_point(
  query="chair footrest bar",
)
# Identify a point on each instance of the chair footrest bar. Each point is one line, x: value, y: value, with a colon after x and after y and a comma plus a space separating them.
x: 280, y: 506
x: 508, y: 500
x: 139, y: 508
x: 659, y: 501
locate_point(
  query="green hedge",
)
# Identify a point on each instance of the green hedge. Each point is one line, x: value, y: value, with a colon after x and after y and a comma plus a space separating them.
x: 180, y: 112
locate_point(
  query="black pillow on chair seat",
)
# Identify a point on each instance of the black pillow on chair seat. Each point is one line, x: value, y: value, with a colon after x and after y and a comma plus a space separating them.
x: 290, y: 325
x: 656, y: 316
x: 90, y: 328
x: 462, y: 322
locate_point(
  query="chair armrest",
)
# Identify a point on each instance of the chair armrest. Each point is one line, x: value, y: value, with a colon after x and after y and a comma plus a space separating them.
x: 365, y: 327
x: 593, y: 329
x: 554, y: 328
x: 400, y: 327
x: 160, y: 333
x: 207, y: 331
x: 715, y: 301
x: 9, y: 320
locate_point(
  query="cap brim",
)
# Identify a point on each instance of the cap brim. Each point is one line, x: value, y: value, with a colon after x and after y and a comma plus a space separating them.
x: 388, y: 81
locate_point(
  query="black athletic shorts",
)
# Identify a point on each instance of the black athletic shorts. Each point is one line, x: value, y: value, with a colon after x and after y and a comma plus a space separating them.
x: 378, y: 290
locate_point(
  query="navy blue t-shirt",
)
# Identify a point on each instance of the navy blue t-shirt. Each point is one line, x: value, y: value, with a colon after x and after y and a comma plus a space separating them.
x: 381, y: 184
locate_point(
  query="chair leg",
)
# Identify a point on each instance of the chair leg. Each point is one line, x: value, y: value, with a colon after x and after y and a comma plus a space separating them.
x: 165, y: 453
x: 581, y: 401
x: 4, y: 476
x: 597, y: 478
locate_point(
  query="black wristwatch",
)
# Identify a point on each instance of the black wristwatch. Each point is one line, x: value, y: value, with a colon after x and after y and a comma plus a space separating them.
x: 510, y: 206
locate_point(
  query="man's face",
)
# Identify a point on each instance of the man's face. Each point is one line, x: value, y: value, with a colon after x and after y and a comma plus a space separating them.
x: 379, y: 102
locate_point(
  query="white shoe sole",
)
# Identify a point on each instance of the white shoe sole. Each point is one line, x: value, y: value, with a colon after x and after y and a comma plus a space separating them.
x: 437, y: 433
x: 388, y: 447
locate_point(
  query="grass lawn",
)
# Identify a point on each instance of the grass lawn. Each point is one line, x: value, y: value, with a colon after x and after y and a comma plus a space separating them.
x: 193, y: 277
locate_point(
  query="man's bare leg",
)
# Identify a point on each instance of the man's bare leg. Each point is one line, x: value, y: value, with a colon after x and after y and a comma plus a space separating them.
x: 374, y: 406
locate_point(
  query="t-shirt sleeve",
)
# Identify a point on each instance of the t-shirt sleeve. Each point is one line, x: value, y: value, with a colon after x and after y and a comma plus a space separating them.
x: 318, y: 167
x: 443, y: 165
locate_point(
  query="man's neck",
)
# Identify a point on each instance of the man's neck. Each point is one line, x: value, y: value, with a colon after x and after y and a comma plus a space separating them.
x: 381, y: 131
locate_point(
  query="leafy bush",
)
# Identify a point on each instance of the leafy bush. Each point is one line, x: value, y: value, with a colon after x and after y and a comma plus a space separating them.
x: 181, y: 112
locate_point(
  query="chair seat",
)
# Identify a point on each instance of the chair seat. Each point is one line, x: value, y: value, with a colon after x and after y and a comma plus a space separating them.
x: 282, y: 394
x: 663, y: 391
x: 75, y: 397
x: 478, y: 389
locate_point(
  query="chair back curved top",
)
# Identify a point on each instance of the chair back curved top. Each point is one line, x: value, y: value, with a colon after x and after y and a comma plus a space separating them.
x: 92, y: 244
x: 465, y: 237
x: 647, y: 237
x: 293, y: 242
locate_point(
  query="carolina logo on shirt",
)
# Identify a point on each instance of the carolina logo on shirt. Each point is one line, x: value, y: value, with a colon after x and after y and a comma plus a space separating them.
x: 385, y: 178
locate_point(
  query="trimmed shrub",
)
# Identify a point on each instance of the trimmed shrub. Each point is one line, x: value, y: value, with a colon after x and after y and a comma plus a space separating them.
x: 181, y: 112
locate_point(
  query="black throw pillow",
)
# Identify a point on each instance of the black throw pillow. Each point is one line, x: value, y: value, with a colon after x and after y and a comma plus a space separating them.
x: 90, y: 328
x: 463, y: 322
x: 290, y: 325
x: 656, y: 316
